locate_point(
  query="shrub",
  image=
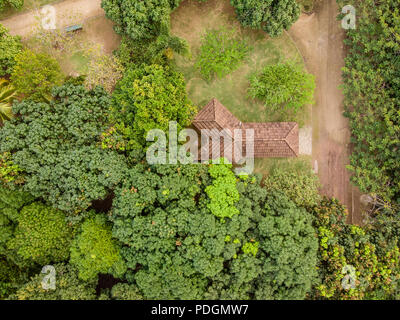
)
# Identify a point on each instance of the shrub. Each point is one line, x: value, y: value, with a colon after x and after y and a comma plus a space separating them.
x: 94, y: 251
x: 298, y: 182
x: 156, y: 51
x: 10, y: 47
x: 15, y: 4
x: 35, y: 74
x: 221, y: 52
x: 284, y: 87
x: 104, y: 71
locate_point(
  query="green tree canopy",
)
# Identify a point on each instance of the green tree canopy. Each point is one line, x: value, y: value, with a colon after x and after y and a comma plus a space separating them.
x: 176, y: 248
x: 273, y: 16
x: 140, y: 19
x: 15, y: 4
x: 42, y: 234
x: 94, y: 251
x: 289, y: 250
x: 372, y: 97
x: 283, y: 87
x: 10, y: 47
x: 14, y: 270
x: 371, y: 251
x: 298, y: 182
x: 149, y: 97
x: 55, y: 144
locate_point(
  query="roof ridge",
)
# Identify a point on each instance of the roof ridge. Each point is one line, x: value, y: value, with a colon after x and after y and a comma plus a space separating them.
x: 213, y: 106
x: 296, y: 125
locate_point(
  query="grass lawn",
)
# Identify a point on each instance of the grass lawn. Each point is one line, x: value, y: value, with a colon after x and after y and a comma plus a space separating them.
x: 265, y: 165
x: 28, y: 5
x: 77, y: 62
x: 191, y: 20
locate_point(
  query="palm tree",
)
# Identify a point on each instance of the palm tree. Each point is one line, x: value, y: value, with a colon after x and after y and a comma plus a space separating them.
x: 7, y: 96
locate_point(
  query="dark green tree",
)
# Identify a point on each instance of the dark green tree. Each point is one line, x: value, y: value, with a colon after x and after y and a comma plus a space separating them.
x: 273, y: 16
x: 372, y: 97
x: 55, y: 145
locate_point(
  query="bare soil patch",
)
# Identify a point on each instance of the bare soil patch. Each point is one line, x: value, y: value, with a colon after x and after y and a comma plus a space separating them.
x: 319, y: 37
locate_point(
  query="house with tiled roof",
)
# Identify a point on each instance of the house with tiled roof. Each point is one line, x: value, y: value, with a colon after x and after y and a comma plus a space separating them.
x: 271, y: 139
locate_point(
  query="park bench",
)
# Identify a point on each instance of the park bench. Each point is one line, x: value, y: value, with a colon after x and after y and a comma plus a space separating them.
x: 73, y: 28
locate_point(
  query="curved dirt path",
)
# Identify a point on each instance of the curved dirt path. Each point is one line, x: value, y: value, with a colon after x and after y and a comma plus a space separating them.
x: 319, y: 37
x: 22, y: 24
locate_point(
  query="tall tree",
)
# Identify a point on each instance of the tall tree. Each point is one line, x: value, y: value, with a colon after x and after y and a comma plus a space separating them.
x: 140, y: 19
x: 149, y: 97
x: 273, y: 16
x: 54, y: 146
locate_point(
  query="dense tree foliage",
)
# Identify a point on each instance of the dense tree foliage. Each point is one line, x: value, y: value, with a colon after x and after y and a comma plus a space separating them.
x: 55, y: 145
x: 140, y: 19
x: 155, y: 51
x: 34, y: 74
x: 273, y: 16
x: 14, y: 270
x: 365, y: 259
x: 68, y: 287
x: 372, y: 97
x: 94, y: 251
x: 125, y: 291
x: 10, y: 47
x: 177, y: 248
x: 42, y: 234
x: 222, y: 193
x: 149, y: 97
x: 15, y: 4
x: 76, y: 192
x: 298, y: 182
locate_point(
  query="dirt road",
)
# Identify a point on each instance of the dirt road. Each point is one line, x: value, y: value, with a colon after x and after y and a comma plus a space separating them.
x: 320, y: 39
x: 22, y: 24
